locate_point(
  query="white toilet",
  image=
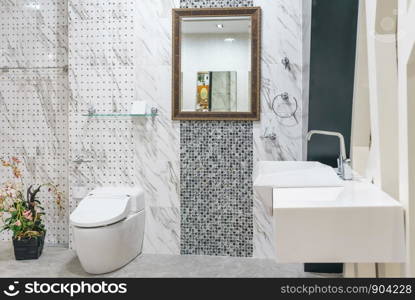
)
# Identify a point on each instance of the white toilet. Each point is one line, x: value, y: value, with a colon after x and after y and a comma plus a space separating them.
x: 108, y: 228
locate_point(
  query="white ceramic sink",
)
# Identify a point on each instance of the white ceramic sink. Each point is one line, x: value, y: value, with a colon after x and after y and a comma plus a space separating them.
x: 357, y: 223
x: 291, y: 174
x: 320, y: 218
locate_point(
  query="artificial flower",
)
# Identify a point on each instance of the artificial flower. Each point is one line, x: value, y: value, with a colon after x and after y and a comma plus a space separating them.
x: 28, y: 215
x: 18, y: 205
x: 5, y: 163
x: 16, y: 160
x: 16, y: 172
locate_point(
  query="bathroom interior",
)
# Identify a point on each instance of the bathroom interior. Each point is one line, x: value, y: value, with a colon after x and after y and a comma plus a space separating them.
x: 222, y: 138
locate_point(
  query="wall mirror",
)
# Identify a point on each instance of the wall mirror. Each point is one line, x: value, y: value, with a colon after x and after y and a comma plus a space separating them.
x: 216, y: 64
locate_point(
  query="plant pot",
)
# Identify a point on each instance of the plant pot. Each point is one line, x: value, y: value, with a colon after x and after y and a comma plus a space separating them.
x: 26, y: 249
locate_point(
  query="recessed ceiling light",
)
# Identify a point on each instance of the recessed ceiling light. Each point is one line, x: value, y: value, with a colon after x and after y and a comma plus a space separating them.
x: 229, y: 40
x: 220, y: 26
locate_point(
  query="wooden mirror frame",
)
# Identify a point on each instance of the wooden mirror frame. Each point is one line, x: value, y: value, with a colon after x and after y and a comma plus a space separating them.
x: 255, y: 14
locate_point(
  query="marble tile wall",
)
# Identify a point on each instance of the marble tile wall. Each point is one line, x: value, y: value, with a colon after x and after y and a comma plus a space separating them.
x: 285, y: 33
x: 102, y: 76
x: 33, y: 33
x: 158, y: 140
x: 120, y: 53
x: 33, y: 99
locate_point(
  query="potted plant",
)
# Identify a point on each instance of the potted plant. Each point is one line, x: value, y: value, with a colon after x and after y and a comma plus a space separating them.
x: 22, y: 213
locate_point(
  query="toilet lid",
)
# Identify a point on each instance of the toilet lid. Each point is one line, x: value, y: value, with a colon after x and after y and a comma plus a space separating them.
x: 100, y: 211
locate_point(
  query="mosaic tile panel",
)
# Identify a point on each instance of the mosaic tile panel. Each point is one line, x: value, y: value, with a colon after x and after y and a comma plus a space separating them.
x: 216, y: 188
x: 216, y: 166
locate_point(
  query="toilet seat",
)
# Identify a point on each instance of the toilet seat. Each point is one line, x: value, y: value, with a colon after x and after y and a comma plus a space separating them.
x: 98, y: 211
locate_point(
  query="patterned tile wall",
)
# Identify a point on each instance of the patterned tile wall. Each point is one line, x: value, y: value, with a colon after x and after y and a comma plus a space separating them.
x: 216, y: 165
x: 102, y: 76
x: 119, y: 52
x: 33, y: 33
x: 33, y: 99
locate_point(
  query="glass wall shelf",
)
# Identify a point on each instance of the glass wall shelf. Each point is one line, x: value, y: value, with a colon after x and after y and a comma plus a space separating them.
x: 118, y: 115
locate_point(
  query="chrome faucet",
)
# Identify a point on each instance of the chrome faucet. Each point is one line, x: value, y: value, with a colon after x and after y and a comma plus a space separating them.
x: 342, y: 161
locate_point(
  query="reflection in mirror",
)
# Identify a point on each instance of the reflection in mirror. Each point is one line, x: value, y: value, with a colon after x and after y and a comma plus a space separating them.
x: 216, y: 91
x: 216, y: 64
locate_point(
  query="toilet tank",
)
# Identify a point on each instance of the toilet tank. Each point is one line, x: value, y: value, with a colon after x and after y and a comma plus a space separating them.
x: 136, y: 194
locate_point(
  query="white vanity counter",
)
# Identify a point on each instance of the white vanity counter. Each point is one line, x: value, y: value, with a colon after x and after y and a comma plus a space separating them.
x: 352, y: 194
x: 353, y: 223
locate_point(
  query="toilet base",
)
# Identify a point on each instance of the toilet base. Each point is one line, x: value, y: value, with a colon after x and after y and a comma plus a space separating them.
x: 106, y: 249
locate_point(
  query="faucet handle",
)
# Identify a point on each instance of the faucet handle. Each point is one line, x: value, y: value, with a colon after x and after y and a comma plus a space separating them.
x: 344, y: 169
x: 340, y: 166
x: 348, y: 171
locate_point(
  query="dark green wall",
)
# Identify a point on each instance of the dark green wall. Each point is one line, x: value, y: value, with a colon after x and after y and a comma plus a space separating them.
x: 332, y: 67
x: 332, y: 70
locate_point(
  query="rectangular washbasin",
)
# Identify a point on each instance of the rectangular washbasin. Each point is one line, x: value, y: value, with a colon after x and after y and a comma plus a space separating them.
x: 296, y: 174
x: 357, y: 223
x: 320, y: 218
